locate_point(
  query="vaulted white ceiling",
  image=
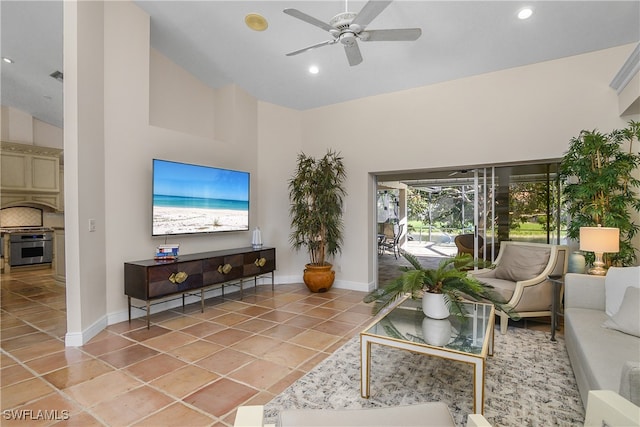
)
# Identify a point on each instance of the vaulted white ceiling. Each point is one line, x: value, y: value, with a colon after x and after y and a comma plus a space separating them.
x: 211, y: 40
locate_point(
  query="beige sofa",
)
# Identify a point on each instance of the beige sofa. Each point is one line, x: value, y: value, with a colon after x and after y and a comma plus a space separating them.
x: 521, y: 276
x: 597, y: 310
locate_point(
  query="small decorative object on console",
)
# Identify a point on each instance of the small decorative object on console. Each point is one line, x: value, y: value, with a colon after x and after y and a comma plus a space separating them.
x: 256, y: 239
x: 167, y: 252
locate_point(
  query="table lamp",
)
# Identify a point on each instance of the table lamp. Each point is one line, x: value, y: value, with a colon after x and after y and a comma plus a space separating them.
x: 599, y: 240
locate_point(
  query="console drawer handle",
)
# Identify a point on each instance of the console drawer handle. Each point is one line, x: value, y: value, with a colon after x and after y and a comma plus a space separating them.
x: 260, y: 262
x: 178, y: 277
x: 224, y: 269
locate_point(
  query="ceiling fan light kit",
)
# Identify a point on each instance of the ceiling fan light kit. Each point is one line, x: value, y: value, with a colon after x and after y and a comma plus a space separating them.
x: 349, y: 27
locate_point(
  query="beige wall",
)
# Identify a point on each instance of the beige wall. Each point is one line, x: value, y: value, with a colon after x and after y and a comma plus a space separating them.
x: 521, y: 114
x: 131, y: 143
x: 84, y: 183
x: 280, y: 139
x: 175, y: 95
x: 19, y: 126
x: 110, y: 179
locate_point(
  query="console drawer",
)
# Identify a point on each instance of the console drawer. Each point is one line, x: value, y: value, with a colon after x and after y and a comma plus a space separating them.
x: 259, y: 262
x: 222, y: 269
x: 167, y: 279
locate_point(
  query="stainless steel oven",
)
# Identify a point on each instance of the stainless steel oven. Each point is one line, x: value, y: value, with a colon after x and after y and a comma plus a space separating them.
x: 29, y: 248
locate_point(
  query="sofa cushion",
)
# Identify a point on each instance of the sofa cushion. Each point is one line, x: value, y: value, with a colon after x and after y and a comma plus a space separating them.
x: 598, y: 353
x: 616, y: 282
x: 522, y: 262
x: 630, y: 382
x: 627, y: 319
x: 504, y: 288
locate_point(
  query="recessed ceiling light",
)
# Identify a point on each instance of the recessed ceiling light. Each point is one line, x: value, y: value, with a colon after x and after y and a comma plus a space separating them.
x: 525, y: 13
x: 314, y: 69
x: 256, y: 22
x: 7, y: 60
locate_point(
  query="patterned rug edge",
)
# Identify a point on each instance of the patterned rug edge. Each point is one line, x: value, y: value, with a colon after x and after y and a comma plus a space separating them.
x: 528, y: 382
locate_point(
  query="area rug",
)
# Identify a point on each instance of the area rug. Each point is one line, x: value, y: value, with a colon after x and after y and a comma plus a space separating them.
x: 528, y: 382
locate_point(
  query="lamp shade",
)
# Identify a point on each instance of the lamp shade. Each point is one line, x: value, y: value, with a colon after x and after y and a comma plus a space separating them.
x: 600, y: 239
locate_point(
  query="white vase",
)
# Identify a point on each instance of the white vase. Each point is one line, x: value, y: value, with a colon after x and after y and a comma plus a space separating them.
x: 434, y: 306
x: 256, y: 238
x: 436, y: 331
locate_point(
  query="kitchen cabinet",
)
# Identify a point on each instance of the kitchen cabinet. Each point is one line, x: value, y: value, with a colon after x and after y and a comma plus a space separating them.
x: 29, y: 174
x: 59, y: 274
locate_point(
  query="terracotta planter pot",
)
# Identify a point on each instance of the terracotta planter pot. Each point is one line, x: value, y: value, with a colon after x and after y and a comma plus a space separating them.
x: 319, y: 278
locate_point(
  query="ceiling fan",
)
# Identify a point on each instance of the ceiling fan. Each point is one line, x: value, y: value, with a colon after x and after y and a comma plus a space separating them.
x: 348, y: 27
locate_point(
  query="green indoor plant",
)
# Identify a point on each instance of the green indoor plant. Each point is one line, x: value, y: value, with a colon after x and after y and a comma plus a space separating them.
x: 316, y: 193
x: 600, y: 188
x: 450, y: 279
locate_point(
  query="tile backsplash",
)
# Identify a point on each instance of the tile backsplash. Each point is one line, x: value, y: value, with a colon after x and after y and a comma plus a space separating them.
x: 54, y: 219
x: 20, y: 217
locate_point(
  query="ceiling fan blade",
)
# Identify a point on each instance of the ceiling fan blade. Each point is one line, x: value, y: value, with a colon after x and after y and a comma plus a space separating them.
x: 370, y: 10
x: 308, y: 19
x: 399, y: 34
x: 353, y: 54
x: 295, y: 52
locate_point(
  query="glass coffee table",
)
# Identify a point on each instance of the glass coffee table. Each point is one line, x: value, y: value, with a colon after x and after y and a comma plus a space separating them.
x: 404, y: 326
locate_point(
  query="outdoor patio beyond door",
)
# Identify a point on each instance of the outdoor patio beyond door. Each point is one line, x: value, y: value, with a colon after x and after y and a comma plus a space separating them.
x: 484, y: 206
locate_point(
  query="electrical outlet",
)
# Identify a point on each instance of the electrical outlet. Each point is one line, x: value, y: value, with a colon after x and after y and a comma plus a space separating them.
x: 92, y: 225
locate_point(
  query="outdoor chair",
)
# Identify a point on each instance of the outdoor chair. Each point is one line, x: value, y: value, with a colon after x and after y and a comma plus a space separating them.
x: 464, y: 243
x: 394, y: 244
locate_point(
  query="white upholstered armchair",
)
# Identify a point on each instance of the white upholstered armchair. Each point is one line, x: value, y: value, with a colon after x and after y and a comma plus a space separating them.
x: 521, y: 276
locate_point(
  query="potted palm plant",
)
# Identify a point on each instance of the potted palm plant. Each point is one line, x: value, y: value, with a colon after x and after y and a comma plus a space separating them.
x: 316, y: 193
x: 441, y: 289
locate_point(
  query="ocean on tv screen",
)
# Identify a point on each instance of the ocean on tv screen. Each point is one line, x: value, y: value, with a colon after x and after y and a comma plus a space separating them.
x: 186, y: 215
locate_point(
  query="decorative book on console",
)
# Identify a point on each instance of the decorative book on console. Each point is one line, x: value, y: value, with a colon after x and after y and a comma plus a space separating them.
x: 167, y: 252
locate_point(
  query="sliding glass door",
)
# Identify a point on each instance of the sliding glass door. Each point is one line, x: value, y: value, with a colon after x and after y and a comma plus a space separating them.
x: 517, y: 203
x: 483, y: 206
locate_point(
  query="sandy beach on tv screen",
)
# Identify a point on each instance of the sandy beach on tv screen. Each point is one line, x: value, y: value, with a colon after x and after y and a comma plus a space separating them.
x: 169, y: 220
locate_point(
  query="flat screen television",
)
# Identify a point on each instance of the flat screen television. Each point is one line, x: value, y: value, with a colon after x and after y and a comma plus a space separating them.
x: 192, y: 199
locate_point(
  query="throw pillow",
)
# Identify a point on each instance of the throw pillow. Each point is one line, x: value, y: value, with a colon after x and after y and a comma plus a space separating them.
x: 627, y: 319
x: 615, y: 285
x: 522, y: 262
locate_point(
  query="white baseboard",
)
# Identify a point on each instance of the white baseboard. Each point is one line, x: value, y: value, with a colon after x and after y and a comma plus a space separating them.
x: 339, y: 284
x: 77, y: 339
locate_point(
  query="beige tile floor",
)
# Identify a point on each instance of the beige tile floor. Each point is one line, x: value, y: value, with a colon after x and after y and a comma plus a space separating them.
x: 189, y: 369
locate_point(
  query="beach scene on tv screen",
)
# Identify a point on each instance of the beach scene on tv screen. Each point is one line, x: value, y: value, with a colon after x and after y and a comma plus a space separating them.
x: 198, y: 199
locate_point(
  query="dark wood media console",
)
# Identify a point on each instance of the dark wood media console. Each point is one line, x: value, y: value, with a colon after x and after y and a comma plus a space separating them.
x: 151, y: 280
